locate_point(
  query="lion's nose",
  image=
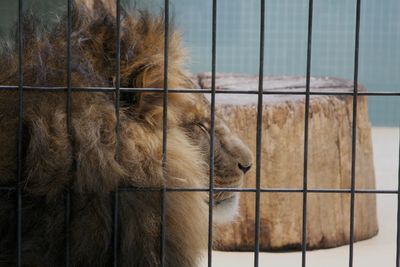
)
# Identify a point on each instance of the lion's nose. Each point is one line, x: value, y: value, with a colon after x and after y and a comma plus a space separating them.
x: 244, y: 167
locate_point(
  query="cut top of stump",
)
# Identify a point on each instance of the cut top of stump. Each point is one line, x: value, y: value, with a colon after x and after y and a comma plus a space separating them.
x: 277, y: 89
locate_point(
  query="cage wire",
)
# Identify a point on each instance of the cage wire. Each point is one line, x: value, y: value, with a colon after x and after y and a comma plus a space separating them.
x: 264, y: 42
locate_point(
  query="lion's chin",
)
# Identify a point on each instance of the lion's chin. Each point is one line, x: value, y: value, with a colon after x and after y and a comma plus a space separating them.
x: 227, y: 210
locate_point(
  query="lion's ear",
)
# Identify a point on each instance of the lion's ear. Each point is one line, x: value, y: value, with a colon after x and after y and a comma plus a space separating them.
x: 129, y: 99
x: 149, y: 77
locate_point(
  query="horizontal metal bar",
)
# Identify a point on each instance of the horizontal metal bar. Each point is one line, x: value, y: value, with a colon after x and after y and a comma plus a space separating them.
x: 245, y: 190
x: 264, y: 190
x: 203, y: 91
x: 7, y: 188
x: 379, y: 93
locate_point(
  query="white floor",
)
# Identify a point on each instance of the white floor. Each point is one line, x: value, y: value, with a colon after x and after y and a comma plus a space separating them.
x: 376, y: 252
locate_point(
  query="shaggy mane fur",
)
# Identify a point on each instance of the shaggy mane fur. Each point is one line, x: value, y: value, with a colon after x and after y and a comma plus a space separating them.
x: 86, y: 161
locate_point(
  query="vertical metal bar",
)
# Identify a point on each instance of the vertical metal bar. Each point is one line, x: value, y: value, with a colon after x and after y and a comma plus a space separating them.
x: 212, y: 132
x: 259, y: 134
x: 354, y: 132
x: 69, y: 129
x: 306, y: 126
x: 67, y: 228
x: 115, y: 242
x: 20, y: 131
x: 398, y: 210
x: 165, y: 132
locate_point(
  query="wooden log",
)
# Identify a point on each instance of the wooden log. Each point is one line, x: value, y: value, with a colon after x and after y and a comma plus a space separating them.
x: 282, y: 159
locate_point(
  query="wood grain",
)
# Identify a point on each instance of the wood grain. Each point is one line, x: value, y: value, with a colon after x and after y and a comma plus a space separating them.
x: 329, y: 163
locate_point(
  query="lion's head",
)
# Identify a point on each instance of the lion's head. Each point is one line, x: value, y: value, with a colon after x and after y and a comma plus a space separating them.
x: 142, y: 66
x: 84, y: 159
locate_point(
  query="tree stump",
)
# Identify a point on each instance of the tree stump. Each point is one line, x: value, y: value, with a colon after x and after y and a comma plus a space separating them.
x: 329, y: 163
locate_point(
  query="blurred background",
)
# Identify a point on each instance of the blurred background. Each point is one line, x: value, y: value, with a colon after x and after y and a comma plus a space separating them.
x: 285, y: 37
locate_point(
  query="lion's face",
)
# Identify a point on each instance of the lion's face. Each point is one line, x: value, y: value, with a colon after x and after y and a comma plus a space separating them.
x: 191, y: 112
x: 232, y: 158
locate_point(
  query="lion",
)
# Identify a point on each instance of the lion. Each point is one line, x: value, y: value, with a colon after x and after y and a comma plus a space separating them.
x: 93, y: 159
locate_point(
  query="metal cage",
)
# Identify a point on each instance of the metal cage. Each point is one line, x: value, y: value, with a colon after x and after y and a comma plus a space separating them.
x: 165, y: 91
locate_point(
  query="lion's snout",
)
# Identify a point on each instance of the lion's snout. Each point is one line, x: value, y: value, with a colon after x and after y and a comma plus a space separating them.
x: 243, y: 155
x: 245, y: 167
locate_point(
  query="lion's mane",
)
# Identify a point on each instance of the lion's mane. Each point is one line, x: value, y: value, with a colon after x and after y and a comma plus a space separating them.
x: 85, y: 160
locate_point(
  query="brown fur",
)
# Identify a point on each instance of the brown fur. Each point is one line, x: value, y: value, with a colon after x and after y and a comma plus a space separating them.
x: 86, y: 161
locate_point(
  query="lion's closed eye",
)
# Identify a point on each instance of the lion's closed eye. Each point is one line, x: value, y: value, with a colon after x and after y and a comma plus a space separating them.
x: 203, y: 128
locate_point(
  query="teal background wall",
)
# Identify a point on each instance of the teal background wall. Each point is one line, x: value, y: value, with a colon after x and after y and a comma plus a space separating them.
x: 285, y: 40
